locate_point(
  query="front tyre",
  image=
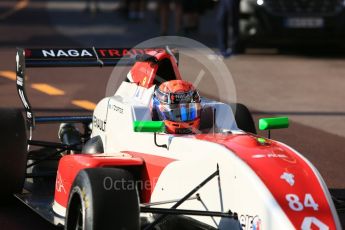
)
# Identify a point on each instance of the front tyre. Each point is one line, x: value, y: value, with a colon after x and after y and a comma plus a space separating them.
x: 103, y: 198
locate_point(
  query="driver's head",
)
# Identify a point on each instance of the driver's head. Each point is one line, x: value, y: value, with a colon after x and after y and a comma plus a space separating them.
x: 177, y: 103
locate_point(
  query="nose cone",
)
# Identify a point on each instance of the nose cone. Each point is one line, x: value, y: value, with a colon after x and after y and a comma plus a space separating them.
x: 291, y: 179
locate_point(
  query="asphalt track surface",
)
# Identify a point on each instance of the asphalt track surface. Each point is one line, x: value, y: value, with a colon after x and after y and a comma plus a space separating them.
x: 307, y: 88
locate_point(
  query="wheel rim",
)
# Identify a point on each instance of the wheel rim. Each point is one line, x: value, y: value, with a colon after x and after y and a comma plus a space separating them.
x: 75, y: 215
x: 79, y: 224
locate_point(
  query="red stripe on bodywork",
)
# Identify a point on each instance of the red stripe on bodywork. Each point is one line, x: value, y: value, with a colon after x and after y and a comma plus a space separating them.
x: 153, y: 167
x: 70, y: 165
x: 270, y: 161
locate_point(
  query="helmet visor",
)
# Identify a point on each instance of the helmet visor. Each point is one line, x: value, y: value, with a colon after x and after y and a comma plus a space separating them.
x: 180, y: 112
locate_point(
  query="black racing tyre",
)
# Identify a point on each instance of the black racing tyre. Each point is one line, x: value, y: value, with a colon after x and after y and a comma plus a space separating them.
x: 13, y: 152
x: 103, y: 198
x: 243, y: 117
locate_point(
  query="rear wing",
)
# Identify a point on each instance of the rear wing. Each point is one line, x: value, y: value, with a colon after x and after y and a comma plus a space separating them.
x: 74, y: 57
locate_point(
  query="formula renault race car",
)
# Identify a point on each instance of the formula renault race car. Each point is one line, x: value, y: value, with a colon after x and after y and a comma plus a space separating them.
x: 125, y: 172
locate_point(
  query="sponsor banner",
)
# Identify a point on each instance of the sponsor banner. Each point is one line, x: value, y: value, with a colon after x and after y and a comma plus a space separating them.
x: 58, y: 53
x: 86, y: 53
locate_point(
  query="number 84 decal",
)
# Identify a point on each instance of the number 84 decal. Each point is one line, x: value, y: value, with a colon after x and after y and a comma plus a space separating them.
x: 296, y: 205
x: 308, y: 202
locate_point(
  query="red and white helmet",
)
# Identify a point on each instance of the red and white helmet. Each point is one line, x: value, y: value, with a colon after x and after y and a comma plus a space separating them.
x: 177, y: 103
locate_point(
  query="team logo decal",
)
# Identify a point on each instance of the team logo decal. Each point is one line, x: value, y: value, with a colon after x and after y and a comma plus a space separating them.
x: 67, y: 53
x: 269, y: 155
x: 256, y: 223
x: 99, y: 123
x: 249, y: 222
x: 59, y: 184
x: 288, y: 177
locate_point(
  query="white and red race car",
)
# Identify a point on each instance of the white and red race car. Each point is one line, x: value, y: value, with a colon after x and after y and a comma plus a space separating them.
x: 125, y: 172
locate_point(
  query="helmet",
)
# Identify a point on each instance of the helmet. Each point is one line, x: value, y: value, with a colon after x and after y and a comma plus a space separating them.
x: 177, y: 103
